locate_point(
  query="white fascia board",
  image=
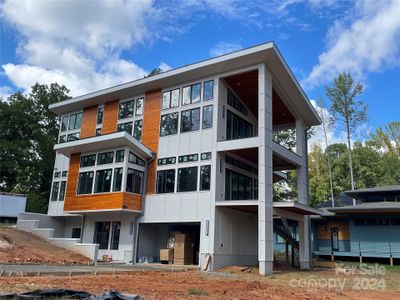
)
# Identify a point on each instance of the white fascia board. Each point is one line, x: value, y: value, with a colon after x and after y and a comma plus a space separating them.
x: 117, y: 139
x: 286, y: 154
x: 266, y: 53
x: 307, y: 210
x: 237, y: 203
x: 114, y: 210
x: 238, y: 144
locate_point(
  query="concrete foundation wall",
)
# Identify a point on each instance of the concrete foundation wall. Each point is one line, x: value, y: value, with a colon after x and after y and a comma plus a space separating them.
x: 45, y: 221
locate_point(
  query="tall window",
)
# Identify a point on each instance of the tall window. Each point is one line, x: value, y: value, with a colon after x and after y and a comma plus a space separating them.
x: 75, y: 121
x: 205, y: 175
x: 117, y: 184
x: 187, y: 179
x: 237, y: 128
x: 236, y: 103
x: 137, y: 130
x: 100, y: 112
x: 190, y: 120
x: 61, y: 196
x: 54, y: 191
x: 170, y: 99
x: 64, y: 123
x: 169, y: 124
x: 191, y: 94
x: 126, y: 109
x: 207, y: 116
x: 103, y: 181
x: 165, y: 181
x: 139, y: 107
x: 105, y: 158
x: 238, y: 186
x: 70, y: 125
x: 115, y: 231
x: 134, y: 181
x: 85, y: 183
x: 208, y: 90
x: 101, y: 234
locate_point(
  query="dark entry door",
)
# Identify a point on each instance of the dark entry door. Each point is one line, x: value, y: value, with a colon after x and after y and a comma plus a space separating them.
x: 335, y: 238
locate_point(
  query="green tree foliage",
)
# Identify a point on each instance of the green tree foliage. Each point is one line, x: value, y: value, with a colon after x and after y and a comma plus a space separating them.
x: 346, y: 109
x: 28, y: 132
x: 374, y: 165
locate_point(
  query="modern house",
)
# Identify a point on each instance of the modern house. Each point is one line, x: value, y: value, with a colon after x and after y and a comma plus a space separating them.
x: 362, y: 223
x: 189, y: 151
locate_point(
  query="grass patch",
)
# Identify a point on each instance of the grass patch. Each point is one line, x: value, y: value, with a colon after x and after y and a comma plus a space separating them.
x: 197, y: 292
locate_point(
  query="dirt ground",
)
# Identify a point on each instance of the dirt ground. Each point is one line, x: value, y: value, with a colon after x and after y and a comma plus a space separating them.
x: 218, y: 285
x: 22, y: 247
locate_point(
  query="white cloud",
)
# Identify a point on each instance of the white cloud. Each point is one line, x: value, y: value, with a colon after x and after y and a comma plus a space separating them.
x: 225, y: 47
x: 5, y: 92
x: 369, y: 44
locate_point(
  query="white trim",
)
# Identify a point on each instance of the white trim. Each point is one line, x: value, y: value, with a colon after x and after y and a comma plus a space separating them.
x: 77, y: 212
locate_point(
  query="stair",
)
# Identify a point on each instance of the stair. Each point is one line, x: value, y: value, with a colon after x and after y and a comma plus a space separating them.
x: 287, y: 236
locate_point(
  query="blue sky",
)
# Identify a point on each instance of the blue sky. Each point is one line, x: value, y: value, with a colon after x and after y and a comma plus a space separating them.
x: 91, y: 45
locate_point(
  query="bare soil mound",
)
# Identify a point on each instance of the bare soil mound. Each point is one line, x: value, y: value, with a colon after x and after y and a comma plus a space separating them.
x: 18, y: 246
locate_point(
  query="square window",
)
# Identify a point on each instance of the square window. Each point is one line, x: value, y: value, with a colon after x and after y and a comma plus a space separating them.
x: 125, y: 127
x: 88, y: 160
x: 105, y: 158
x: 126, y: 109
x: 187, y: 179
x: 103, y: 181
x: 165, y: 181
x: 85, y: 182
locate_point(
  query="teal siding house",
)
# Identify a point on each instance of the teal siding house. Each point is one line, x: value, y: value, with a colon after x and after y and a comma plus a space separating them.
x: 362, y: 223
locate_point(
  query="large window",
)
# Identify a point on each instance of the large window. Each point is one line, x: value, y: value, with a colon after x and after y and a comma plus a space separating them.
x: 238, y: 186
x: 237, y: 128
x: 165, y: 181
x: 54, y: 191
x: 117, y: 182
x: 126, y: 109
x: 134, y: 181
x: 75, y: 121
x: 187, y: 179
x: 208, y: 90
x: 105, y: 158
x: 137, y: 130
x: 125, y: 127
x: 191, y: 94
x: 169, y: 124
x: 205, y: 176
x: 61, y: 196
x: 207, y: 116
x: 236, y: 103
x: 170, y: 99
x: 85, y: 182
x: 101, y: 234
x: 103, y: 181
x: 116, y: 228
x: 190, y: 120
x: 88, y: 160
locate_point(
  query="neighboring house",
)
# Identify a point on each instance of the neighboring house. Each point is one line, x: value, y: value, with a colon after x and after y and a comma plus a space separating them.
x: 10, y: 206
x: 361, y: 223
x: 186, y: 151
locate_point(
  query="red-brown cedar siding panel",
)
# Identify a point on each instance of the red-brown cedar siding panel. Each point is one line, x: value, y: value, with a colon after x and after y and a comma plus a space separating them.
x: 88, y: 128
x: 110, y: 117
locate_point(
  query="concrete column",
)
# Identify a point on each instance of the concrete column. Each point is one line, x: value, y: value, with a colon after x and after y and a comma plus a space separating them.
x: 302, y: 194
x: 265, y: 210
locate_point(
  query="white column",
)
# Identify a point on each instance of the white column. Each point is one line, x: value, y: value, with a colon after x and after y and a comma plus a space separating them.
x: 302, y: 194
x: 265, y: 210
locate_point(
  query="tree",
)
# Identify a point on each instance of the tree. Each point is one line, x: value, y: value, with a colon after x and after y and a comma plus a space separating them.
x: 388, y: 138
x: 327, y: 124
x: 155, y: 71
x: 347, y: 109
x: 28, y: 132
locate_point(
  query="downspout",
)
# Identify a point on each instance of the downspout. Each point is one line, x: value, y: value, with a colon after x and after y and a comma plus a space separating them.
x: 82, y: 227
x: 135, y: 229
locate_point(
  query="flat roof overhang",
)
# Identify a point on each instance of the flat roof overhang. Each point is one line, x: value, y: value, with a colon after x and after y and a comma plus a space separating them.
x: 252, y: 206
x: 392, y: 208
x: 266, y: 53
x: 98, y: 143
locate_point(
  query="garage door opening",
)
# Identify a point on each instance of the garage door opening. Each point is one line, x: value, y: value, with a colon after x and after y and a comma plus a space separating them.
x: 173, y: 243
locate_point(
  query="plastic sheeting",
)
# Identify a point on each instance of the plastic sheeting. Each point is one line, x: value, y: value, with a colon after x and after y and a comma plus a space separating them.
x: 69, y: 294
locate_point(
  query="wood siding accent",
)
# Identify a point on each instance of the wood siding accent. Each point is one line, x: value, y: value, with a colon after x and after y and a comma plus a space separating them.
x: 115, y: 200
x: 324, y: 230
x: 151, y: 127
x: 110, y: 117
x: 89, y: 120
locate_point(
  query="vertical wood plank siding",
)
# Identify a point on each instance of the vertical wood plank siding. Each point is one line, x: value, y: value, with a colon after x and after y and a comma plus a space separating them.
x: 110, y: 117
x: 151, y: 125
x: 89, y: 119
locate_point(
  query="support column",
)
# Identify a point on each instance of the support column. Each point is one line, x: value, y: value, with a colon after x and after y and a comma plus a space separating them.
x: 265, y: 195
x: 302, y: 194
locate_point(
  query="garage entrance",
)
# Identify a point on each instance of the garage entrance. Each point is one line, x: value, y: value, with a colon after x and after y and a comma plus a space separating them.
x: 173, y: 243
